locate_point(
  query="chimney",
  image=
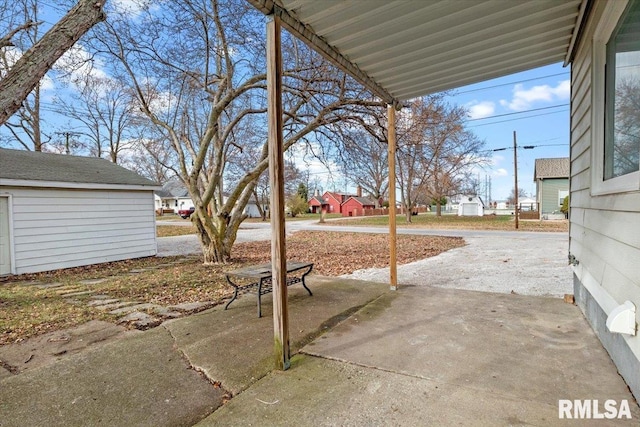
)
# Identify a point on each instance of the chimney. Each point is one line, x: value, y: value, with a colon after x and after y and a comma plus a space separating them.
x: 359, y: 191
x: 316, y: 193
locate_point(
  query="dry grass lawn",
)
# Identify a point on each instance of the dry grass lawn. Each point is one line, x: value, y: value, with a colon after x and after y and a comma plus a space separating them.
x: 454, y: 222
x: 29, y: 308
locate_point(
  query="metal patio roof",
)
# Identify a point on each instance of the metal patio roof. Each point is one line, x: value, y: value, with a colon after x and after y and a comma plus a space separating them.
x: 410, y: 48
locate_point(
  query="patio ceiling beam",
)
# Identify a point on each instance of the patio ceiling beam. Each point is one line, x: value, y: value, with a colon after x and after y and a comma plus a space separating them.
x: 307, y: 35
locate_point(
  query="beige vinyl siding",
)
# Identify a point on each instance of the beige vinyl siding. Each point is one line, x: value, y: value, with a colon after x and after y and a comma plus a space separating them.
x: 605, y: 230
x: 61, y: 228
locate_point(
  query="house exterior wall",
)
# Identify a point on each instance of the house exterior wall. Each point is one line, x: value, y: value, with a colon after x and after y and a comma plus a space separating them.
x: 252, y: 210
x: 354, y: 208
x: 604, y: 228
x: 549, y: 191
x: 334, y: 204
x: 61, y: 228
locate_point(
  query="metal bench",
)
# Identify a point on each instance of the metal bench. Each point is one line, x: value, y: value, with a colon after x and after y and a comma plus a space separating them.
x: 260, y: 277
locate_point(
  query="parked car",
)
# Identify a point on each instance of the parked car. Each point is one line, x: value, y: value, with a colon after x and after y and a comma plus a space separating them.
x: 186, y: 213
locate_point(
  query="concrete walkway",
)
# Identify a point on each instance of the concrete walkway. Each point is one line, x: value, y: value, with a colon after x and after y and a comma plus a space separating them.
x: 422, y: 355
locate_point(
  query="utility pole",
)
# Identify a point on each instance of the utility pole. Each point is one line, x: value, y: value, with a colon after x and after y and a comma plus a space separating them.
x: 515, y: 169
x: 515, y: 174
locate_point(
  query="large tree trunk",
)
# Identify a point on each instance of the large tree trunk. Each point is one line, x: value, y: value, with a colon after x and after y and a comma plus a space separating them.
x: 34, y: 64
x: 216, y: 238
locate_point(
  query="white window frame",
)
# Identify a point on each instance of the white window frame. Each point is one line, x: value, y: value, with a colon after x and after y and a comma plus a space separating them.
x: 623, y: 183
x: 561, y: 195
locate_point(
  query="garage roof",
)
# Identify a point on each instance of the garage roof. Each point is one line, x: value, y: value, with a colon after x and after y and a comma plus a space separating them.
x: 38, y: 168
x: 403, y: 49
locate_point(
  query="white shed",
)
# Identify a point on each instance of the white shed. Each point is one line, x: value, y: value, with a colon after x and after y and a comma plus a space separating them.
x: 60, y: 211
x: 470, y: 206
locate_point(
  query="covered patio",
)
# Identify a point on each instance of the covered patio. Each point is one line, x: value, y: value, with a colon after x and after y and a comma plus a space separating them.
x: 401, y: 50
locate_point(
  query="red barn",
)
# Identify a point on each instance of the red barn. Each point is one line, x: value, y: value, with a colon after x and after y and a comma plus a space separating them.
x: 355, y: 206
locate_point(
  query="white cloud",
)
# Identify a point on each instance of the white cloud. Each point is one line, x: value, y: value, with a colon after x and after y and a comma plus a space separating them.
x: 132, y: 8
x: 500, y: 172
x: 12, y: 55
x: 524, y: 99
x: 78, y: 63
x: 480, y: 110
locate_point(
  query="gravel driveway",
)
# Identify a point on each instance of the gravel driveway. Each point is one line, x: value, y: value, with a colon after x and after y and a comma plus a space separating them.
x: 526, y: 263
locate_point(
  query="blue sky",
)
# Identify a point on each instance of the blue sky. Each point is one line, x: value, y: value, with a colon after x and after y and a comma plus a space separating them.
x: 532, y: 103
x: 535, y: 104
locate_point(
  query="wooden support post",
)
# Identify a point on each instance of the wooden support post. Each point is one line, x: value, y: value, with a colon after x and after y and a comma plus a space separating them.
x: 393, y: 267
x: 276, y: 181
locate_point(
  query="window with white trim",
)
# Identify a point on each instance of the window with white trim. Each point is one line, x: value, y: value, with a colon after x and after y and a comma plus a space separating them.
x: 561, y: 196
x: 622, y: 96
x: 616, y: 101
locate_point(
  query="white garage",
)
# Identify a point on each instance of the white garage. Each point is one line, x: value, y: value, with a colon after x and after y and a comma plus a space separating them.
x: 60, y: 211
x: 470, y: 206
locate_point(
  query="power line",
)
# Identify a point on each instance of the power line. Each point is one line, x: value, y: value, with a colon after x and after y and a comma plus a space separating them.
x: 519, y: 112
x: 517, y: 118
x: 512, y: 83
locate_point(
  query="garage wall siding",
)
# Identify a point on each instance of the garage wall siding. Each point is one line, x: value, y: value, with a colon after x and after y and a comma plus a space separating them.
x: 61, y: 228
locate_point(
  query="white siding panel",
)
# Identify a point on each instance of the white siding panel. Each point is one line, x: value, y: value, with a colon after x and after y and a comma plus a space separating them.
x: 605, y: 229
x: 60, y: 228
x: 582, y: 162
x: 581, y: 180
x: 47, y: 264
x: 116, y: 239
x: 38, y: 230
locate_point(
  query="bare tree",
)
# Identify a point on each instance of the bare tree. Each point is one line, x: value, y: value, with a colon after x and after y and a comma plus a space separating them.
x: 24, y: 75
x: 455, y: 152
x: 522, y: 193
x: 364, y: 159
x: 105, y: 108
x: 413, y: 158
x: 25, y: 127
x: 435, y: 152
x: 197, y: 69
x: 153, y: 159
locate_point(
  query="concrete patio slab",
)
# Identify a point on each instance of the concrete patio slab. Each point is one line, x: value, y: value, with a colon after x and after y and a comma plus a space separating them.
x: 235, y: 346
x: 431, y: 356
x: 141, y: 380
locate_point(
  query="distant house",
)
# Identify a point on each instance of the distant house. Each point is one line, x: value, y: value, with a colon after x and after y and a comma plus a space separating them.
x: 334, y: 202
x: 470, y: 206
x: 355, y: 206
x: 316, y: 204
x: 527, y: 204
x: 175, y: 196
x: 552, y: 183
x: 60, y: 211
